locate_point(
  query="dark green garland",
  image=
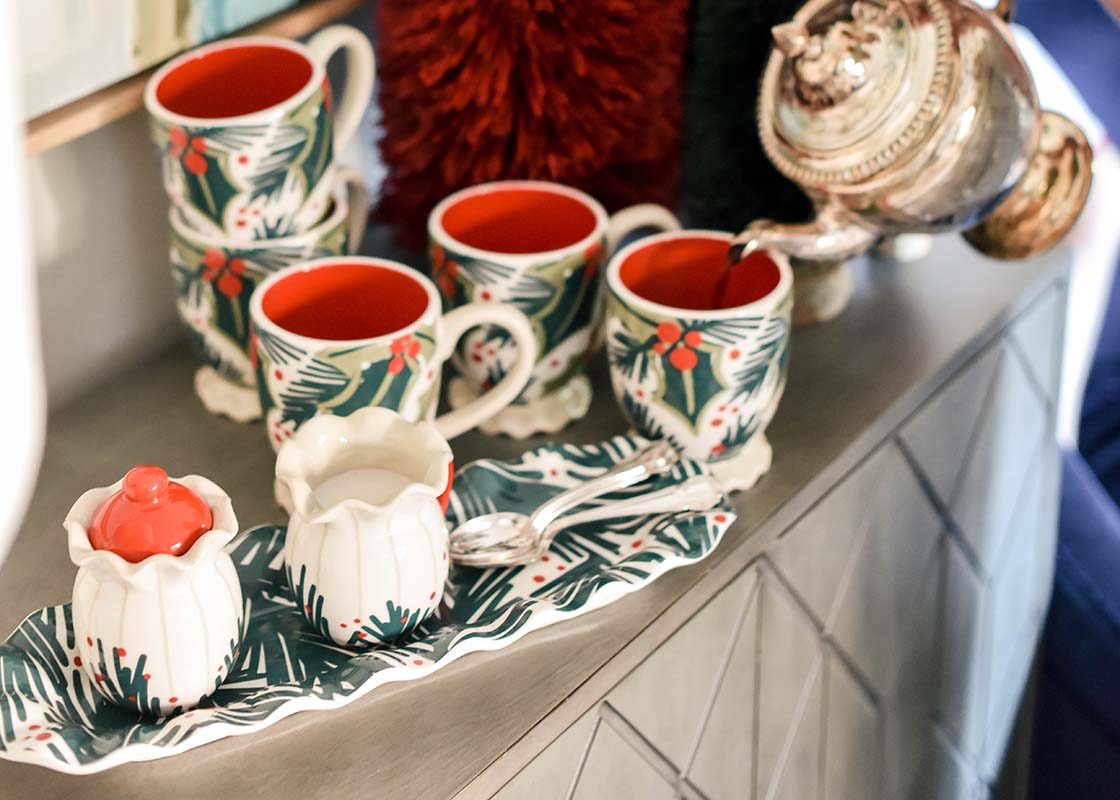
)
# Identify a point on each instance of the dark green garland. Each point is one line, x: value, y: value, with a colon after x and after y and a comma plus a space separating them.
x: 727, y: 179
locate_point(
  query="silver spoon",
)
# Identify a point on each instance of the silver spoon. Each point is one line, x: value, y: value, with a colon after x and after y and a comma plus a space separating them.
x: 696, y: 494
x: 516, y: 530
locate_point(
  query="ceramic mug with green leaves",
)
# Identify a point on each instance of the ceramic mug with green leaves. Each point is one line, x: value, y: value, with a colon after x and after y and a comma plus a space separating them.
x: 536, y: 246
x: 247, y: 129
x: 215, y: 276
x: 698, y: 350
x: 338, y: 334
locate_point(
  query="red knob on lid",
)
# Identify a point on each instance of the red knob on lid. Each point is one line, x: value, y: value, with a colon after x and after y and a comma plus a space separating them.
x: 150, y: 515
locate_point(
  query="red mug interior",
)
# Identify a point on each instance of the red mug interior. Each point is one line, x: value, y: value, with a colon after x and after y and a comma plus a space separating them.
x: 344, y: 301
x: 522, y: 220
x: 233, y: 81
x: 692, y: 273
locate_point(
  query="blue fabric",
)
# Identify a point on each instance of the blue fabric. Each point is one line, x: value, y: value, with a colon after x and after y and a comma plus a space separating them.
x: 1083, y: 38
x: 1099, y: 437
x: 1077, y: 727
x: 1077, y: 730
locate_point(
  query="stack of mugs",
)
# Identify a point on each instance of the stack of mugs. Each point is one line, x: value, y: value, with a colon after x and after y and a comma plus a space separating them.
x: 247, y: 131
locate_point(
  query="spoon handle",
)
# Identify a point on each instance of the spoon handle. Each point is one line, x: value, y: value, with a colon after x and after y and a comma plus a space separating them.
x: 653, y: 459
x: 695, y: 494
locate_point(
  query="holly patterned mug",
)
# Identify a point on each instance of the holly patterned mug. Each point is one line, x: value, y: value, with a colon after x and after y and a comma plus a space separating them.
x: 215, y: 277
x: 698, y: 350
x: 338, y: 334
x: 535, y: 246
x: 247, y: 128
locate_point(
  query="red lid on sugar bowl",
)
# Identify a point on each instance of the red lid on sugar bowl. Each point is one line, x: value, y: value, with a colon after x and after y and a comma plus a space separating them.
x: 150, y: 515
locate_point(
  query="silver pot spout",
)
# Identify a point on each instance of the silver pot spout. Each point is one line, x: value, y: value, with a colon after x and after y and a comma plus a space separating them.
x: 826, y: 238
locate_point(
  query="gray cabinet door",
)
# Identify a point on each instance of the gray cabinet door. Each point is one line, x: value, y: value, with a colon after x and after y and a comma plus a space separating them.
x: 879, y: 647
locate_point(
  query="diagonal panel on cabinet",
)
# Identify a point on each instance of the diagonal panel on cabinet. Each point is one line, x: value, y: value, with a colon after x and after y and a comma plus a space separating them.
x: 938, y: 435
x: 721, y: 763
x: 551, y: 774
x: 963, y: 692
x: 613, y: 769
x: 993, y: 479
x: 853, y: 747
x: 668, y: 696
x: 1037, y: 334
x: 1016, y: 599
x: 866, y: 561
x: 950, y: 776
x: 788, y: 698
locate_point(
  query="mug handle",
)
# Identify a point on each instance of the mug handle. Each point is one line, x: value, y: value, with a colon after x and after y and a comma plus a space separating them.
x: 360, y: 72
x: 621, y: 223
x: 451, y: 328
x: 643, y: 215
x: 358, y: 203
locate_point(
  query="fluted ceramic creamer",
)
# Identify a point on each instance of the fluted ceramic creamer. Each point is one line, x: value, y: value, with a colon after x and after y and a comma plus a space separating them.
x: 366, y: 546
x: 157, y: 604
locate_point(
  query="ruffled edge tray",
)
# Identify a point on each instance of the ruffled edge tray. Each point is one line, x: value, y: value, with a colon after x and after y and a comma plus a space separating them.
x: 51, y: 716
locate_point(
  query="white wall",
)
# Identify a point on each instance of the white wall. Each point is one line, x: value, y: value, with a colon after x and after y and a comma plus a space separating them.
x: 100, y: 243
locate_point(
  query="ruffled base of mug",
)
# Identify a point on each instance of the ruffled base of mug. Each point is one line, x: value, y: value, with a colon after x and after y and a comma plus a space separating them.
x: 225, y: 398
x: 742, y: 470
x: 546, y: 414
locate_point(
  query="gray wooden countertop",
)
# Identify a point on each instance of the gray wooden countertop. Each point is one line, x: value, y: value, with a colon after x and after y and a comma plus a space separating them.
x: 909, y: 327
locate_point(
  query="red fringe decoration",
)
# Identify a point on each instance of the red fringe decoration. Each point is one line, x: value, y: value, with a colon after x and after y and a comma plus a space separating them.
x: 584, y: 92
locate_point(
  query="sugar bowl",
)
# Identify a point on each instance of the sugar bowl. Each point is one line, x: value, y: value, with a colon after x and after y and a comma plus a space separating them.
x: 157, y: 604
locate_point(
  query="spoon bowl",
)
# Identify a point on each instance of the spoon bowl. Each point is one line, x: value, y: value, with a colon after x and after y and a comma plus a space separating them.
x: 511, y: 531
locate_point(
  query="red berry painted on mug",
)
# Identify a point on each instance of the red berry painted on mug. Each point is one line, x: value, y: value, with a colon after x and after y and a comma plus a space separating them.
x: 230, y: 285
x: 214, y: 259
x: 178, y: 137
x: 659, y: 348
x: 683, y: 359
x: 668, y: 332
x: 692, y: 338
x: 194, y: 163
x: 396, y: 365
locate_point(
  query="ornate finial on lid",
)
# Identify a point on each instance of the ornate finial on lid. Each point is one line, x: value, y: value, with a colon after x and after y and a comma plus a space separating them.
x: 792, y: 38
x: 853, y: 87
x: 149, y: 516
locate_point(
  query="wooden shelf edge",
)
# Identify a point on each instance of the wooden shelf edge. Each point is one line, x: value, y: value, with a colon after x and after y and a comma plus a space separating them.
x: 106, y: 105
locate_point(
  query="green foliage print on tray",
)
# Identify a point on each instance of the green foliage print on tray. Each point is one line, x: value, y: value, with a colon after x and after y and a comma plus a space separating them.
x: 50, y: 714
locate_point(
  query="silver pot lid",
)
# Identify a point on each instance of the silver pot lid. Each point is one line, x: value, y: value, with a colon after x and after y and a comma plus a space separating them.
x: 852, y: 88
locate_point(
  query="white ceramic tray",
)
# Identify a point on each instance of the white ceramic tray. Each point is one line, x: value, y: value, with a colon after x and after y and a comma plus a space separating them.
x: 50, y: 715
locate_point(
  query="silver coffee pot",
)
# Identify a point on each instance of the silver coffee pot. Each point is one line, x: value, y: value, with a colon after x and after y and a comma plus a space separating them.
x: 906, y: 116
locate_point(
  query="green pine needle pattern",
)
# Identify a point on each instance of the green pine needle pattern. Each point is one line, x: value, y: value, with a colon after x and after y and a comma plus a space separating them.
x: 285, y: 664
